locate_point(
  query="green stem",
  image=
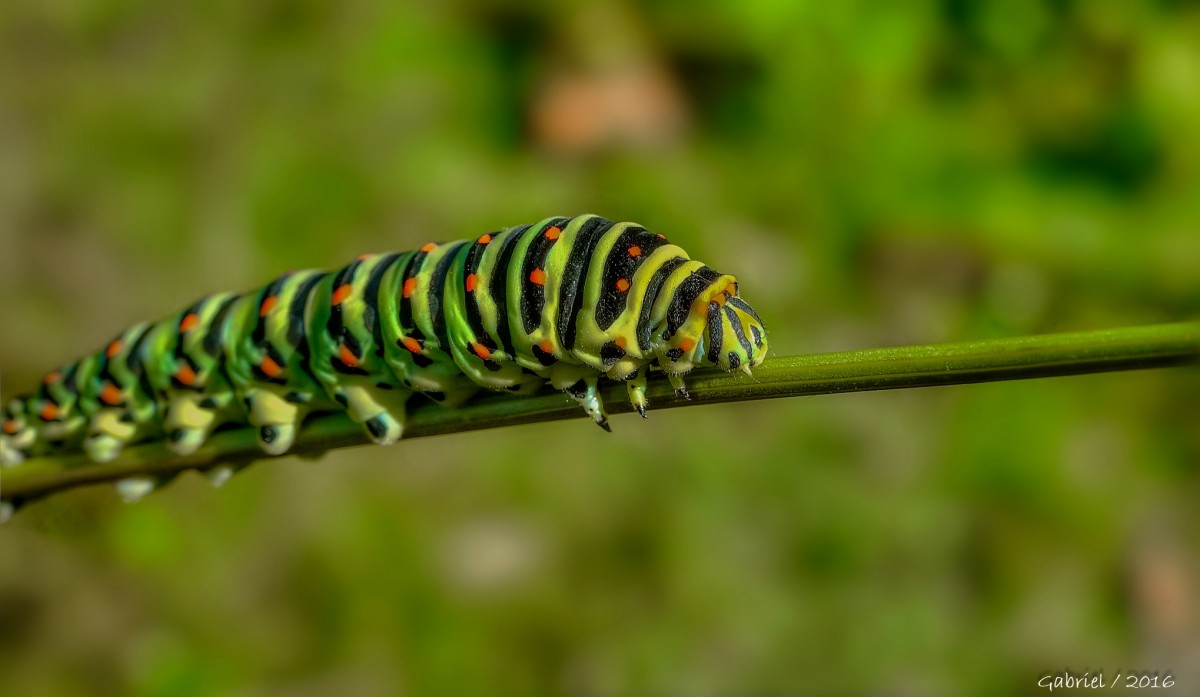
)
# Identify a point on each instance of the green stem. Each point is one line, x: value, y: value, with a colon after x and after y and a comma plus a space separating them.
x: 850, y: 371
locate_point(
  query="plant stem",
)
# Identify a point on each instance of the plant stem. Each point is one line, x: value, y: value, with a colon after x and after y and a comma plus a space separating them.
x: 851, y: 371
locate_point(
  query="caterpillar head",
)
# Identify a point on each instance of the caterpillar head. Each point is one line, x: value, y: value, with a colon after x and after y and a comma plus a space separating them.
x: 722, y: 330
x: 734, y: 337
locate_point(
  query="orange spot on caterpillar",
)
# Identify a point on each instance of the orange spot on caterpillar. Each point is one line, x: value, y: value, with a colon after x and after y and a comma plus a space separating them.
x: 547, y: 346
x: 185, y: 375
x: 720, y: 299
x: 113, y: 349
x: 731, y: 289
x: 363, y: 257
x: 270, y: 368
x: 410, y: 286
x: 484, y: 239
x: 635, y: 251
x: 538, y: 277
x: 428, y: 247
x: 553, y: 232
x: 343, y: 292
x: 10, y: 427
x: 621, y: 342
x: 661, y: 236
x: 189, y: 322
x: 471, y: 281
x: 51, y: 378
x: 481, y: 350
x: 687, y: 345
x: 268, y: 304
x: 622, y: 284
x: 347, y: 356
x: 411, y: 344
x: 110, y: 395
x: 49, y: 412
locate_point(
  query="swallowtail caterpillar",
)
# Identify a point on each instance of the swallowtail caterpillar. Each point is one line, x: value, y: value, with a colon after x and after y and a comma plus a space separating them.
x: 564, y: 301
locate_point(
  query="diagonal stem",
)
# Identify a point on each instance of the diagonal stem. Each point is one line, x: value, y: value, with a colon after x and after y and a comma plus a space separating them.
x: 851, y: 371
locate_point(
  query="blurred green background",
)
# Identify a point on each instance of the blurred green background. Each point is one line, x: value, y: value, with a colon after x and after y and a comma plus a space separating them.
x: 875, y: 173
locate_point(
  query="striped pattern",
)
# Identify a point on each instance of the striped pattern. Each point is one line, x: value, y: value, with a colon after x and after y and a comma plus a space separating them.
x: 565, y: 301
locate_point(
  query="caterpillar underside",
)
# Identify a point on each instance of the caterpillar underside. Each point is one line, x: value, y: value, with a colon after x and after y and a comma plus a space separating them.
x: 565, y: 302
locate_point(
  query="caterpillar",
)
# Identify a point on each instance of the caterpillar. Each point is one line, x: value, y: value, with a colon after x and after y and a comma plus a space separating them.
x: 565, y: 301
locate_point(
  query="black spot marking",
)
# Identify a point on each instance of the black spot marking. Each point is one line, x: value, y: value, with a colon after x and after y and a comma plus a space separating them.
x: 268, y: 434
x: 611, y: 353
x: 295, y: 398
x: 385, y: 386
x: 734, y: 361
x: 546, y: 359
x: 176, y: 435
x: 757, y: 335
x: 377, y: 427
x: 208, y: 403
x: 271, y: 353
x: 675, y: 354
x: 341, y: 399
x: 126, y: 417
x: 341, y: 366
x: 578, y: 390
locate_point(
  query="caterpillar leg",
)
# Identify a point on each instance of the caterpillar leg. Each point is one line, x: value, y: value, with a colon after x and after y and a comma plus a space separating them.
x: 134, y: 489
x: 636, y: 385
x: 586, y: 392
x: 679, y: 385
x: 191, y: 419
x: 276, y: 420
x: 9, y: 455
x: 382, y: 413
x: 109, y: 432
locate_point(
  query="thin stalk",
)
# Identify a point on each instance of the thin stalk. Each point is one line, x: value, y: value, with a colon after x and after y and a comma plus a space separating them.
x: 850, y: 371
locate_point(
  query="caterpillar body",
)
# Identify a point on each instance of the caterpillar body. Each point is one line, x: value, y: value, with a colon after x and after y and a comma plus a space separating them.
x: 564, y: 301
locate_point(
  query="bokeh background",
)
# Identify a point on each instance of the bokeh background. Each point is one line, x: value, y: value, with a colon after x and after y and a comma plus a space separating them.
x: 876, y: 173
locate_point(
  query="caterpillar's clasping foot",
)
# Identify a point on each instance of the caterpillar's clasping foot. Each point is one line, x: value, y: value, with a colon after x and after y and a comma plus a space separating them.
x: 276, y: 439
x: 9, y: 455
x: 102, y: 447
x: 680, y: 387
x: 636, y: 386
x: 185, y: 441
x: 383, y: 428
x: 586, y: 392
